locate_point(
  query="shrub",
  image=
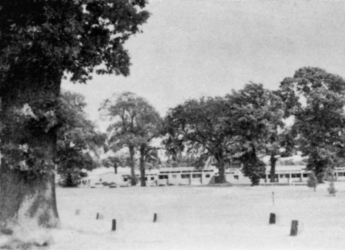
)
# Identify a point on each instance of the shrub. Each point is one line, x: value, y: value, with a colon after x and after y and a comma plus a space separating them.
x: 331, y: 189
x: 312, y: 181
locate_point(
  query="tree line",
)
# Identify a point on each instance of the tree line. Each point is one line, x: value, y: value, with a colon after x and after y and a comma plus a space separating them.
x: 242, y: 126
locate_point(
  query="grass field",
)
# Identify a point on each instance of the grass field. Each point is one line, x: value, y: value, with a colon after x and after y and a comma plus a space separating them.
x: 199, y: 218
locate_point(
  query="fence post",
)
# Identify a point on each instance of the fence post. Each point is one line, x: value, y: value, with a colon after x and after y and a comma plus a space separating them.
x: 113, y: 227
x: 154, y: 217
x: 294, y: 228
x: 272, y: 218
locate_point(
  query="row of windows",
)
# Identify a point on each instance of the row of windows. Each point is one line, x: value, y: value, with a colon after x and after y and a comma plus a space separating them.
x: 152, y: 178
x: 185, y: 171
x: 187, y: 176
x: 295, y: 175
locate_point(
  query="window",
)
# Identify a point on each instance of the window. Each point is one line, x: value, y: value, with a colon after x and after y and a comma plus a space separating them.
x: 174, y: 176
x: 305, y: 175
x: 207, y: 176
x: 185, y: 176
x: 152, y: 178
x: 161, y: 177
x: 124, y: 179
x: 145, y: 178
x: 281, y: 176
x: 236, y: 177
x: 196, y: 175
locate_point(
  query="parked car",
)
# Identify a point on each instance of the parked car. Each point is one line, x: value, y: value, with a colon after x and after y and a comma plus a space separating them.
x: 98, y: 185
x: 112, y: 185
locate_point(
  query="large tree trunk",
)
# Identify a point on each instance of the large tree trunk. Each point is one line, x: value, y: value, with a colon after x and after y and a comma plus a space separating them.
x: 142, y: 166
x: 132, y: 165
x: 27, y: 186
x: 27, y: 199
x: 221, y: 168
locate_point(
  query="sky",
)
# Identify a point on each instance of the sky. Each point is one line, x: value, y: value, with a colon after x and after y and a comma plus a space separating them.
x: 194, y: 48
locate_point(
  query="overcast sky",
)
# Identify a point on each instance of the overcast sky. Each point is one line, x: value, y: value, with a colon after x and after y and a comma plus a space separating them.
x: 194, y: 48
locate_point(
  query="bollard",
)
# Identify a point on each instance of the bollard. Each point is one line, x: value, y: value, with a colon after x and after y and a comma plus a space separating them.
x: 77, y: 212
x: 294, y: 228
x: 97, y: 216
x: 272, y: 218
x: 155, y: 217
x: 273, y: 198
x: 113, y: 227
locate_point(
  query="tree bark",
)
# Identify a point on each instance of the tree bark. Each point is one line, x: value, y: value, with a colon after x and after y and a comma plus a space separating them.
x: 27, y: 183
x: 132, y: 165
x: 273, y: 161
x: 221, y: 168
x: 115, y: 168
x: 142, y: 166
x: 27, y: 199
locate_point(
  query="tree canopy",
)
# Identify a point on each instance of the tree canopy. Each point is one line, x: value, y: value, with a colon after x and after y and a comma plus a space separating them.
x: 317, y: 101
x: 256, y: 114
x: 134, y: 123
x: 200, y: 125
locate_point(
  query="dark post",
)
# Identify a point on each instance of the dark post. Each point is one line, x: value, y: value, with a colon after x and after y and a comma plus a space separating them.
x: 155, y: 217
x: 294, y: 228
x: 272, y: 218
x: 273, y: 197
x: 113, y: 227
x: 97, y: 216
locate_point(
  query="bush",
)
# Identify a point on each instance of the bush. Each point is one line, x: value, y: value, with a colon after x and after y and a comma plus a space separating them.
x: 331, y: 189
x: 312, y: 181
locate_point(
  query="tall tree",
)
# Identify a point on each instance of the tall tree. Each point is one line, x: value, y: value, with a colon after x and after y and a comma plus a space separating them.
x: 317, y: 102
x: 200, y: 125
x: 256, y: 114
x: 40, y: 41
x: 134, y: 124
x: 78, y: 141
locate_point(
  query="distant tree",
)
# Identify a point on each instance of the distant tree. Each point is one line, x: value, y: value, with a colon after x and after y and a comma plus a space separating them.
x: 200, y: 125
x: 256, y: 114
x: 281, y: 143
x: 77, y: 142
x: 112, y: 161
x: 134, y: 124
x: 40, y: 41
x: 317, y: 100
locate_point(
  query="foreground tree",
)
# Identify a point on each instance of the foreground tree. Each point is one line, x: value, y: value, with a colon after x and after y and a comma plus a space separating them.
x: 134, y: 124
x: 317, y: 101
x: 200, y: 125
x: 40, y: 41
